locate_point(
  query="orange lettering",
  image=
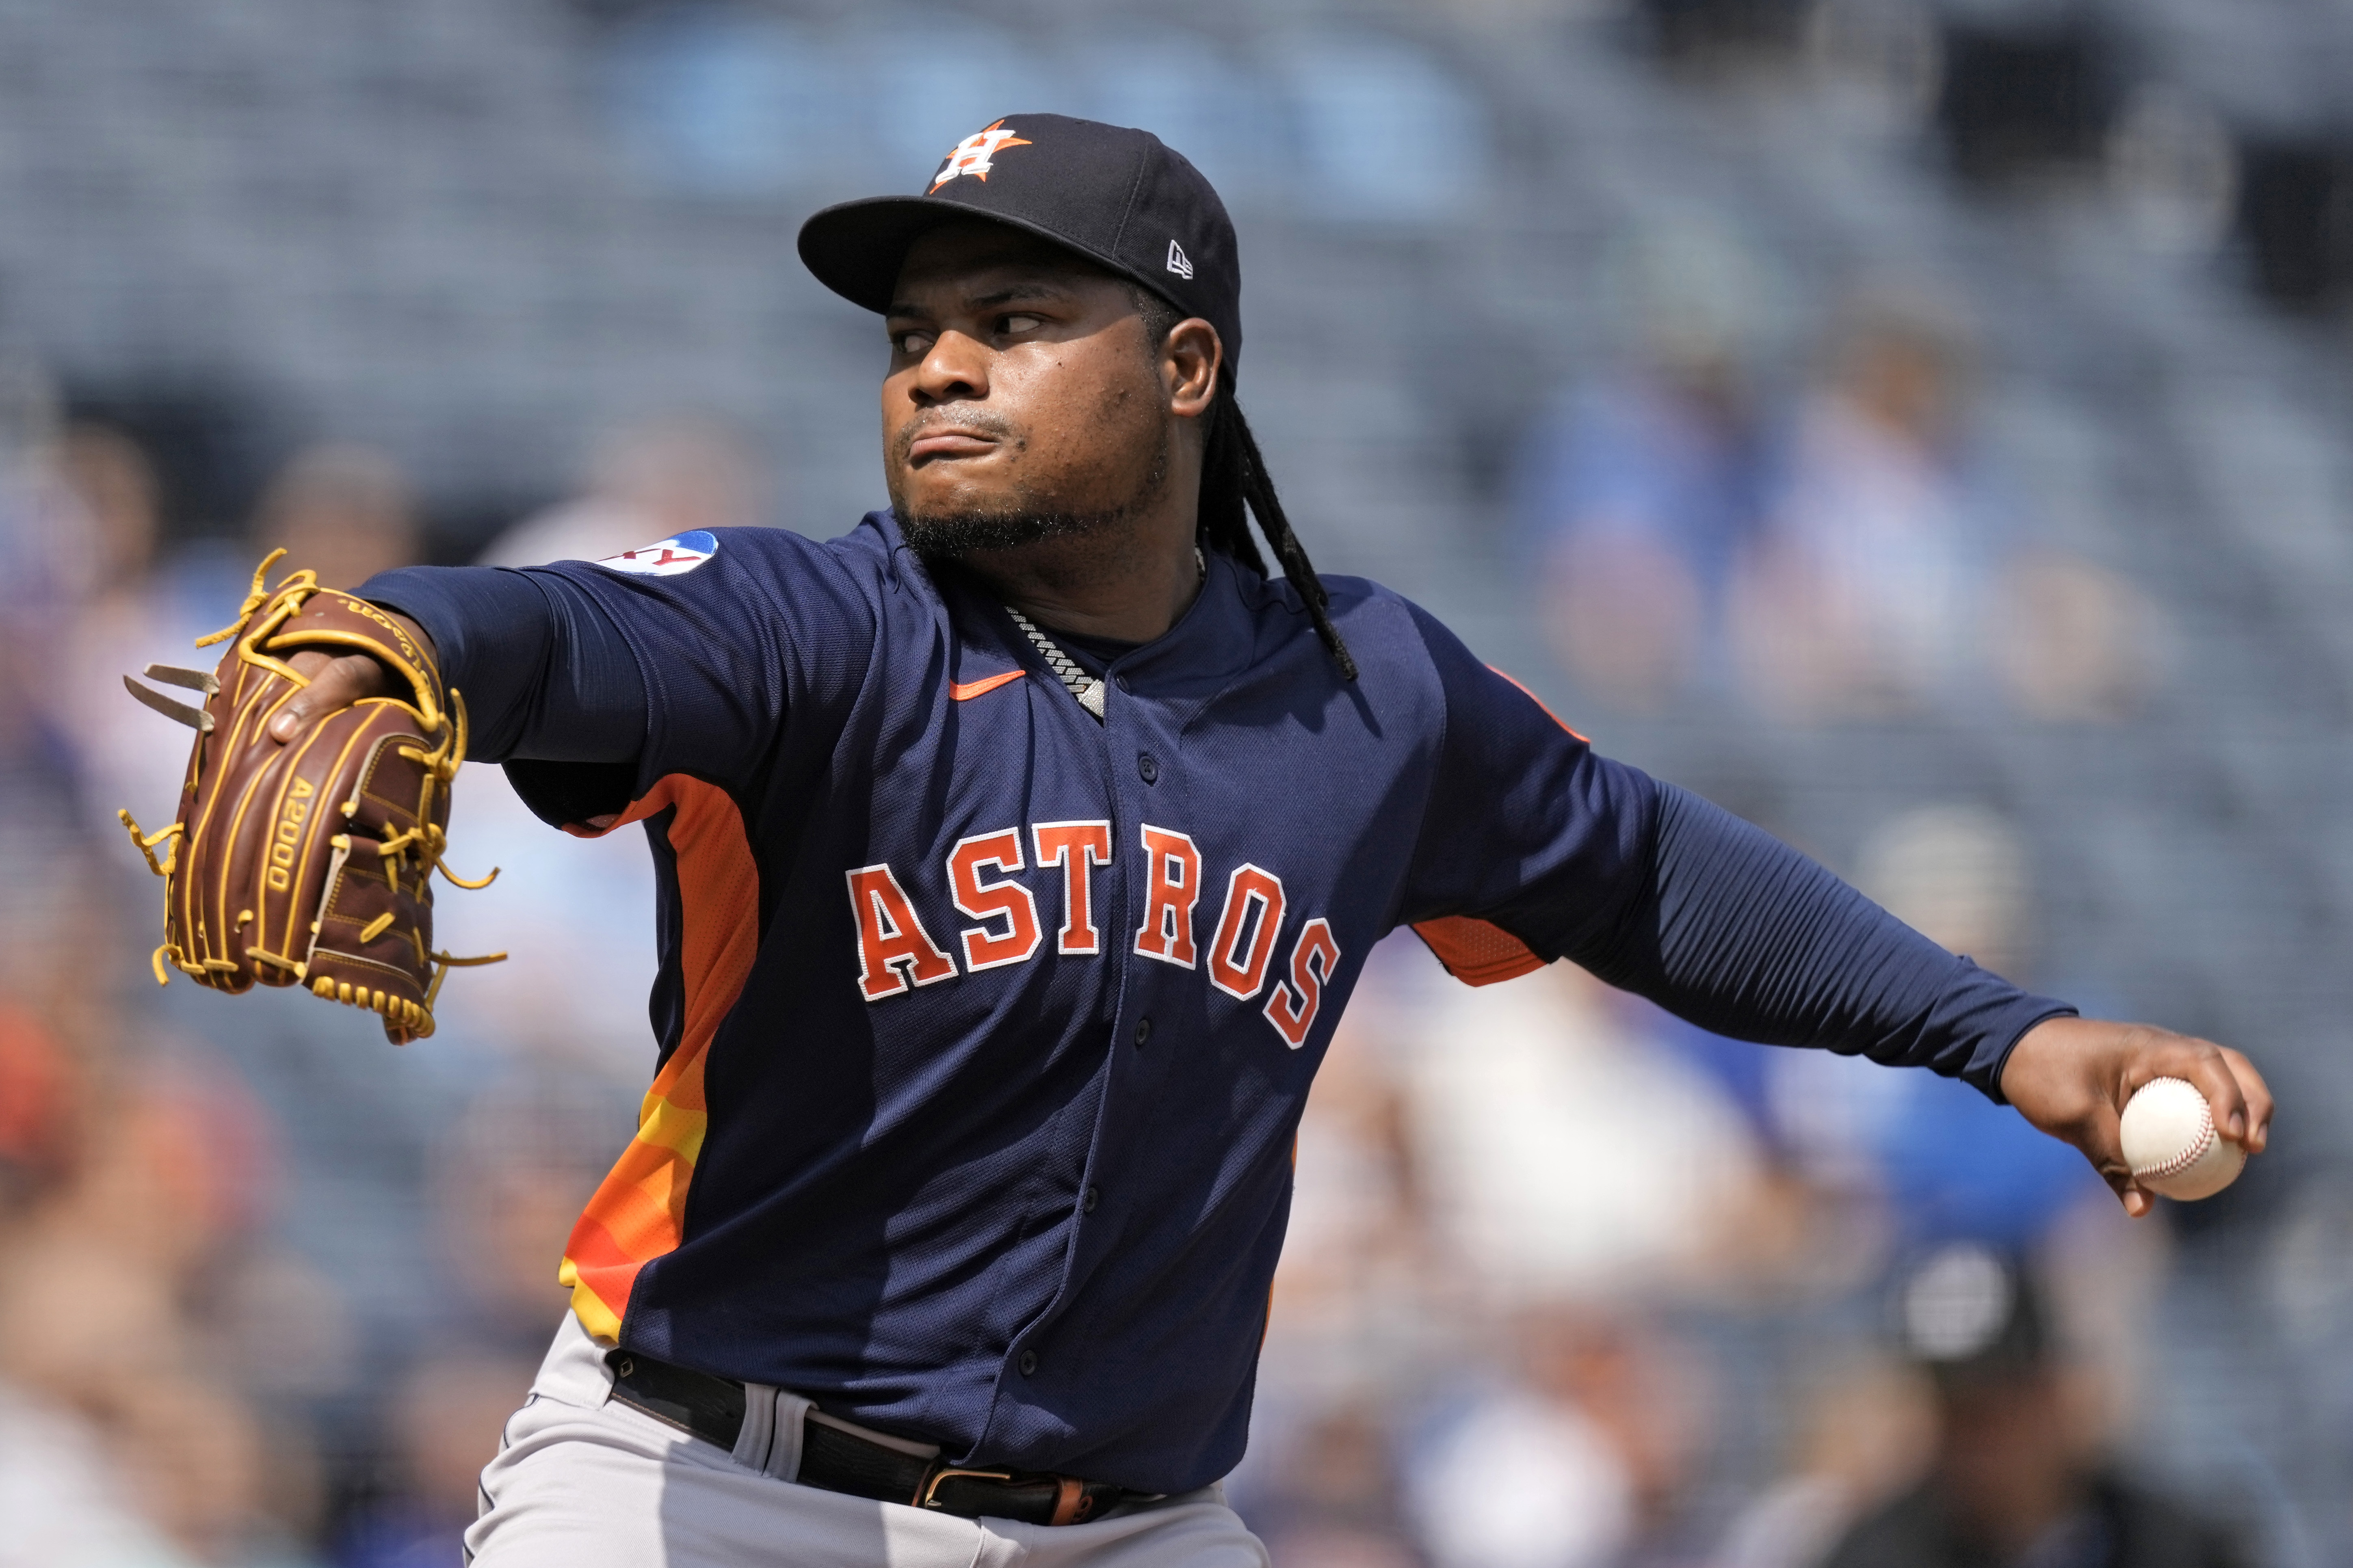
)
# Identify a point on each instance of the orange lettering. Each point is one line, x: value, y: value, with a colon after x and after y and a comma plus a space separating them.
x: 1077, y: 847
x: 1172, y: 886
x: 1241, y: 977
x: 893, y: 948
x: 1006, y: 900
x: 1292, y: 1008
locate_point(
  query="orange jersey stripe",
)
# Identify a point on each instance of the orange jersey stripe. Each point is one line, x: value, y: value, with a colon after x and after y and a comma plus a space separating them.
x: 598, y: 1274
x: 965, y: 690
x: 1477, y: 952
x: 1539, y: 701
x: 639, y: 1211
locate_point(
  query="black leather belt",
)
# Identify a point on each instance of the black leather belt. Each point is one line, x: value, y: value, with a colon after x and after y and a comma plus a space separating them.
x: 712, y: 1408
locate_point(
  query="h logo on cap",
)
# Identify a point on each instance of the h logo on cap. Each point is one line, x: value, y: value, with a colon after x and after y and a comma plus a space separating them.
x: 1178, y: 262
x: 973, y: 154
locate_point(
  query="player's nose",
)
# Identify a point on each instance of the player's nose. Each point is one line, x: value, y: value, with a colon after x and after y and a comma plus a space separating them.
x: 956, y: 368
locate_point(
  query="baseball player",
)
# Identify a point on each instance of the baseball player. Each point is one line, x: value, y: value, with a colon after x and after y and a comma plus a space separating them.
x: 1018, y: 853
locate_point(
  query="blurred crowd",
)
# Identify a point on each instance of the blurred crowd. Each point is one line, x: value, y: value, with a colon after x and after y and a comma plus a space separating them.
x: 1832, y: 544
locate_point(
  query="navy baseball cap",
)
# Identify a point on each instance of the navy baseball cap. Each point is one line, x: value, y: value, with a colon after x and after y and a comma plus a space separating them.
x: 1122, y: 198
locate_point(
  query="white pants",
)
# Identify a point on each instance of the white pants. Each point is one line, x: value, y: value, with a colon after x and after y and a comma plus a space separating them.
x: 582, y: 1482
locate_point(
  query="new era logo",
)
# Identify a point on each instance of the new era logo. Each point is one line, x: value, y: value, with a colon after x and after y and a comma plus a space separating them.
x: 1178, y: 262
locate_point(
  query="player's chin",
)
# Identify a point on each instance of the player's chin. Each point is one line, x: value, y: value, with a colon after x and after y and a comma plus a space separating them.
x: 948, y: 486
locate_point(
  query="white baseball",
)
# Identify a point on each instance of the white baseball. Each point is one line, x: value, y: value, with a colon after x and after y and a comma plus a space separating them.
x: 2171, y: 1144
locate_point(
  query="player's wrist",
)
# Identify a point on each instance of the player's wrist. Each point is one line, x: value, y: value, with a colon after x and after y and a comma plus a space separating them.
x: 2032, y: 1057
x: 416, y: 633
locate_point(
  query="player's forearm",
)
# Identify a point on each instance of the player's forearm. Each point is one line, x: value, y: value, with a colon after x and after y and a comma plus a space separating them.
x: 545, y: 672
x: 1742, y: 934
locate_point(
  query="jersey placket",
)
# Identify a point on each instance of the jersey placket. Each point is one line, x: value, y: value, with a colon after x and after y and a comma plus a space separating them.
x: 1137, y: 1049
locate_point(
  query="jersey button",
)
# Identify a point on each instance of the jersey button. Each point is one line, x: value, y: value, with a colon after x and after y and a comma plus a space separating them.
x: 1088, y: 1199
x: 1143, y: 1030
x: 1120, y: 681
x: 1028, y: 1362
x: 1148, y: 767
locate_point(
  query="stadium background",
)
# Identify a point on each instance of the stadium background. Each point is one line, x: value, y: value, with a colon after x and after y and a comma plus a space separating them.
x: 1923, y: 428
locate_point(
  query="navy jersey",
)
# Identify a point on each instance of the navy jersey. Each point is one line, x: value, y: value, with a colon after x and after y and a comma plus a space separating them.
x: 986, y: 1026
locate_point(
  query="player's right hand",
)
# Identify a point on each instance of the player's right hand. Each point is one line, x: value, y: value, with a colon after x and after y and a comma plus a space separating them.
x: 2072, y: 1078
x: 338, y: 682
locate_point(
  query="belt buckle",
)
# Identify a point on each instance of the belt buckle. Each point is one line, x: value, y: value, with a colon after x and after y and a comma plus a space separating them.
x: 926, y: 1498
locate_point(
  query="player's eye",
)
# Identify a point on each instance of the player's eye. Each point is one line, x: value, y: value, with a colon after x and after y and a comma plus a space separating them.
x: 1017, y: 324
x: 908, y: 343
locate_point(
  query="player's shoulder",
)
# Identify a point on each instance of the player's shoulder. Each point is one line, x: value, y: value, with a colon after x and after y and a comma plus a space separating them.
x: 1364, y: 612
x: 755, y: 561
x: 1399, y: 640
x: 864, y: 550
x: 820, y: 606
x: 1358, y: 598
x: 1408, y: 669
x: 871, y: 556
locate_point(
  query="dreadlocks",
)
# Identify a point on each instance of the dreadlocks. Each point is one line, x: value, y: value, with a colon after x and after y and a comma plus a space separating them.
x: 1235, y: 488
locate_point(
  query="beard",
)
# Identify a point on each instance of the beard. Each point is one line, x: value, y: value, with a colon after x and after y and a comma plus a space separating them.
x: 948, y: 533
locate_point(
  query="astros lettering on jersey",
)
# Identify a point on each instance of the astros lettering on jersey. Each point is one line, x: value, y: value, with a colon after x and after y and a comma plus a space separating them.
x: 895, y: 952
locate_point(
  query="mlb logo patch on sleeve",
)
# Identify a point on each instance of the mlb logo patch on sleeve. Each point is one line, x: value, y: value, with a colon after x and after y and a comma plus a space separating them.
x: 667, y: 557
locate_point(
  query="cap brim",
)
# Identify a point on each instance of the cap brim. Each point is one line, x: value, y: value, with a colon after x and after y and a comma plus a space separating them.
x: 856, y: 249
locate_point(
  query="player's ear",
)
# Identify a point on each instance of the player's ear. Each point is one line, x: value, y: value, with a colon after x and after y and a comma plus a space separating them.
x: 1188, y: 363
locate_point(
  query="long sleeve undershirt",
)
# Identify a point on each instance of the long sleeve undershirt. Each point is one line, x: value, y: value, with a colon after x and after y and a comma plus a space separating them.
x: 1742, y: 935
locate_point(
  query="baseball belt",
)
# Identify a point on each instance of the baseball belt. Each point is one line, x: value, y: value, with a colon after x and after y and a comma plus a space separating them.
x: 712, y: 1408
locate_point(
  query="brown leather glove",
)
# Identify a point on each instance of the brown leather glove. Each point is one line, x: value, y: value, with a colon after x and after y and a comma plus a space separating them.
x: 307, y: 861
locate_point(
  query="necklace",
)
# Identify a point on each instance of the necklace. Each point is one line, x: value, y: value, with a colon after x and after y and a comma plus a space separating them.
x: 1086, y: 687
x: 1082, y: 685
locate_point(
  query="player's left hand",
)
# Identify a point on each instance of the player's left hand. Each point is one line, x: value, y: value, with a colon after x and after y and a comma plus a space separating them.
x: 2071, y: 1077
